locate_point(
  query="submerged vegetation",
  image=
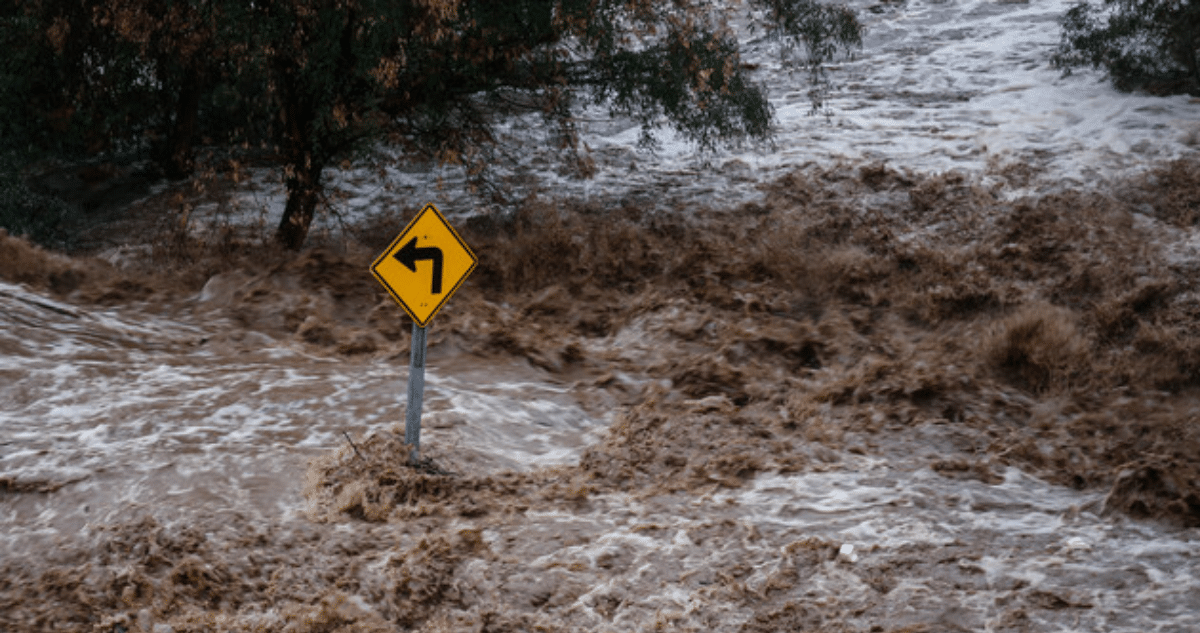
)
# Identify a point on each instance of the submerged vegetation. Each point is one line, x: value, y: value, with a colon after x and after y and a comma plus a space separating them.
x: 857, y: 318
x: 863, y: 312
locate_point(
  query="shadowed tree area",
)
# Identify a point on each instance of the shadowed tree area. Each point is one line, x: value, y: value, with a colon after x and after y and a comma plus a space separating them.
x: 311, y: 82
x: 1151, y: 45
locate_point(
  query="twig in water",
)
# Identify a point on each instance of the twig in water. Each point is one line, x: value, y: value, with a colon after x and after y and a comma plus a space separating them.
x: 353, y: 446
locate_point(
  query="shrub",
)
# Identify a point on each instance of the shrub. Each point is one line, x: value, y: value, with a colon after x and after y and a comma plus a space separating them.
x: 1151, y: 45
x: 1038, y: 348
x: 24, y: 212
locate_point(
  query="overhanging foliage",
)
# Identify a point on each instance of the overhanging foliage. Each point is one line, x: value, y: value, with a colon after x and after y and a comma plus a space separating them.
x: 1151, y: 45
x: 313, y: 80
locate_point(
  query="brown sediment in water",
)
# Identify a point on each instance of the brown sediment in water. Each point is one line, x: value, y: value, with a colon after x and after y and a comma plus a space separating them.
x: 855, y: 311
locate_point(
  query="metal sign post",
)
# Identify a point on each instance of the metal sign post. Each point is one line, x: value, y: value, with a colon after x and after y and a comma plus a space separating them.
x: 416, y: 394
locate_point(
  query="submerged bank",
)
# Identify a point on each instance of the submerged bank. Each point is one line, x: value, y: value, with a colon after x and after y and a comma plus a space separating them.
x: 873, y: 401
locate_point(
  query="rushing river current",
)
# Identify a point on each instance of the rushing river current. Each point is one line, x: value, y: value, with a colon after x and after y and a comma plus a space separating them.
x: 110, y: 414
x: 129, y: 409
x: 178, y: 435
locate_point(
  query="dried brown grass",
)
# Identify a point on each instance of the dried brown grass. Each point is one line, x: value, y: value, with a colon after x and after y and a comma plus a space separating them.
x: 374, y: 482
x: 1039, y: 348
x: 904, y: 314
x: 1170, y: 192
x: 24, y: 262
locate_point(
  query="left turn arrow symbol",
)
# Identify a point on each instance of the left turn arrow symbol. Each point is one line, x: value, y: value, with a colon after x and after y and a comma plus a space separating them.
x: 409, y: 255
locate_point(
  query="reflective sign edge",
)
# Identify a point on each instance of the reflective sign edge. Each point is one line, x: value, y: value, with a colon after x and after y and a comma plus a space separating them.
x: 474, y: 261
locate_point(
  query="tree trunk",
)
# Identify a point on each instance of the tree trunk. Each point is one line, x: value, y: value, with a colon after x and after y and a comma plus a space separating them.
x: 303, y: 194
x: 303, y: 166
x: 179, y: 160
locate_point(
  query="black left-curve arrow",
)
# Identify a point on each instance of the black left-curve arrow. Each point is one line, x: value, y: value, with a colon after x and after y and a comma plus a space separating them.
x: 409, y: 255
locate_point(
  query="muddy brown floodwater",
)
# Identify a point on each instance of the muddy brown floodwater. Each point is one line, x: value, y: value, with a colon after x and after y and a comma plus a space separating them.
x: 873, y: 402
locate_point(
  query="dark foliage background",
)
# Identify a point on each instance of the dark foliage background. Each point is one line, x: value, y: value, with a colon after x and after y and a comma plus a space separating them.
x: 1151, y: 45
x: 311, y: 82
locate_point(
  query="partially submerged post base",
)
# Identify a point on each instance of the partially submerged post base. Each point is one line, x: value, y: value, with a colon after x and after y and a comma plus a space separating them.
x: 416, y: 394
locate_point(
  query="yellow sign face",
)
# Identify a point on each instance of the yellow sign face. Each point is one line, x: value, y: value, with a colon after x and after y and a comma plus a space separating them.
x: 425, y: 264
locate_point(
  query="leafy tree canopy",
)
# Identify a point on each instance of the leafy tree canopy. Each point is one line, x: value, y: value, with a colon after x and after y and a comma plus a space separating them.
x: 314, y: 79
x: 1151, y: 45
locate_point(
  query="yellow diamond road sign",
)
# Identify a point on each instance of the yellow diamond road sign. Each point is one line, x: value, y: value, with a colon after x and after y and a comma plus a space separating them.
x: 424, y: 265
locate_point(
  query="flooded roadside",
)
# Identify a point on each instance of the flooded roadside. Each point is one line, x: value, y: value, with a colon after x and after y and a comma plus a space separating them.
x: 896, y: 405
x: 119, y: 410
x: 864, y: 546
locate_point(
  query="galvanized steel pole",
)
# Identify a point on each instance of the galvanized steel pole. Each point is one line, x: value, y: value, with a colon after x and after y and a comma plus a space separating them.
x: 416, y: 394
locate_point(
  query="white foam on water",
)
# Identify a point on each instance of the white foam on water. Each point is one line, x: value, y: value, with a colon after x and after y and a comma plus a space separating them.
x: 123, y: 408
x: 973, y: 552
x: 126, y: 410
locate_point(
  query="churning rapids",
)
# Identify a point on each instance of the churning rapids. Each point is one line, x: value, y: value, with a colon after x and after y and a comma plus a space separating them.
x: 929, y: 365
x: 140, y: 410
x: 150, y: 424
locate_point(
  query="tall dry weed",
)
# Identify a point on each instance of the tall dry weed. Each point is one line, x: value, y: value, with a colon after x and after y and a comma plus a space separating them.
x: 1039, y: 348
x: 21, y: 261
x: 1171, y: 192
